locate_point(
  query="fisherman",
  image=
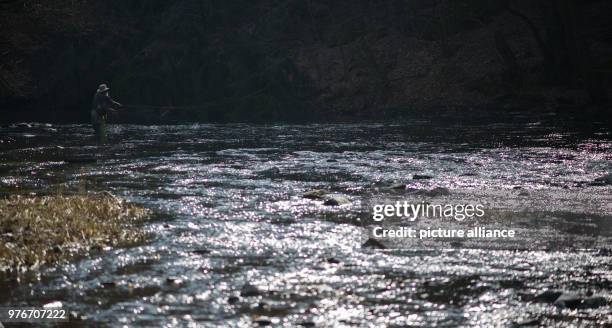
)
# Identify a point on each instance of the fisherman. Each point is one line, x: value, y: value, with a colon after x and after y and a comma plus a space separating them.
x: 102, y: 103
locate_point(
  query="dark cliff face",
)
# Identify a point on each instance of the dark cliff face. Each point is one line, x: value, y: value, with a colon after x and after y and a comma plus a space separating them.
x: 301, y: 59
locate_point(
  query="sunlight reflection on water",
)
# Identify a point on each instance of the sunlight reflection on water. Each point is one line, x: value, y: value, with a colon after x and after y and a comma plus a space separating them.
x: 229, y: 212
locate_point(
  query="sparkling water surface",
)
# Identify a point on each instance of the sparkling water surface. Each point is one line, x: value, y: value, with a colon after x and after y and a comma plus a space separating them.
x: 242, y: 247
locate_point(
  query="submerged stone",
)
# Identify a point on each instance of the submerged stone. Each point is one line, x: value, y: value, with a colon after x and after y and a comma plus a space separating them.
x: 249, y: 290
x: 604, y: 180
x: 109, y: 284
x: 174, y: 280
x: 373, y: 243
x: 315, y: 194
x: 398, y: 186
x: 594, y: 302
x: 548, y: 296
x: 421, y: 177
x: 332, y: 260
x: 527, y: 322
x: 575, y: 301
x: 201, y: 251
x: 336, y: 201
x: 263, y: 321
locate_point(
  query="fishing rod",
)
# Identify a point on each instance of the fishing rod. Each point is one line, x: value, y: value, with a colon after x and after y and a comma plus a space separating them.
x: 166, y: 107
x: 199, y: 106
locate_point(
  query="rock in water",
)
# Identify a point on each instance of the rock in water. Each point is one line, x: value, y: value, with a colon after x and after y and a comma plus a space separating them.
x: 605, y: 180
x: 336, y: 201
x: 233, y: 299
x: 108, y: 284
x: 263, y: 321
x: 528, y: 323
x: 249, y: 290
x: 594, y: 302
x: 373, y: 243
x: 174, y: 280
x: 421, y: 177
x: 315, y: 194
x: 575, y: 301
x: 548, y: 296
x: 568, y: 301
x: 333, y: 260
x: 398, y: 186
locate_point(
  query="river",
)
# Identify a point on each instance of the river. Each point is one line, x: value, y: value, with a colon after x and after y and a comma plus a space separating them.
x: 232, y: 241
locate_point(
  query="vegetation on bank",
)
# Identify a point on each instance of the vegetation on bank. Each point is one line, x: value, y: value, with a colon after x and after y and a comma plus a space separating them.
x: 37, y: 230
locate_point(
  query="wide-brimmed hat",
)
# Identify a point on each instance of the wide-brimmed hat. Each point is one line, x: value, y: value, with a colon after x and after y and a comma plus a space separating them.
x: 103, y: 88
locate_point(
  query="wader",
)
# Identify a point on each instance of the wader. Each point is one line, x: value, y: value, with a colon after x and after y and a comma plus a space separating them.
x: 99, y: 124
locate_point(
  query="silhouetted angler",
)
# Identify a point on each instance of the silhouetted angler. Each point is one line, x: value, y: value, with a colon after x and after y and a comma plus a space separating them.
x: 102, y: 103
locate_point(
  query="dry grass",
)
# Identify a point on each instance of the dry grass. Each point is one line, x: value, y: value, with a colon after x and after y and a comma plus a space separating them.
x: 46, y: 229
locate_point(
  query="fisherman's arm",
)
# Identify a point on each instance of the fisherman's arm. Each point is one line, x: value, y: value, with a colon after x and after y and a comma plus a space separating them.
x: 112, y: 103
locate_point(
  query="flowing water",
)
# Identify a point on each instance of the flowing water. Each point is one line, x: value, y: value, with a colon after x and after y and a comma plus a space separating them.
x: 242, y: 247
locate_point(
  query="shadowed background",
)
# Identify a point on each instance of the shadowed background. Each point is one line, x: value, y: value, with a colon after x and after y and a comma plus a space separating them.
x: 300, y: 60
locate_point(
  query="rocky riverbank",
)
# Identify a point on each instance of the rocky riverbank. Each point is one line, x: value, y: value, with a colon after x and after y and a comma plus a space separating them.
x: 37, y: 230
